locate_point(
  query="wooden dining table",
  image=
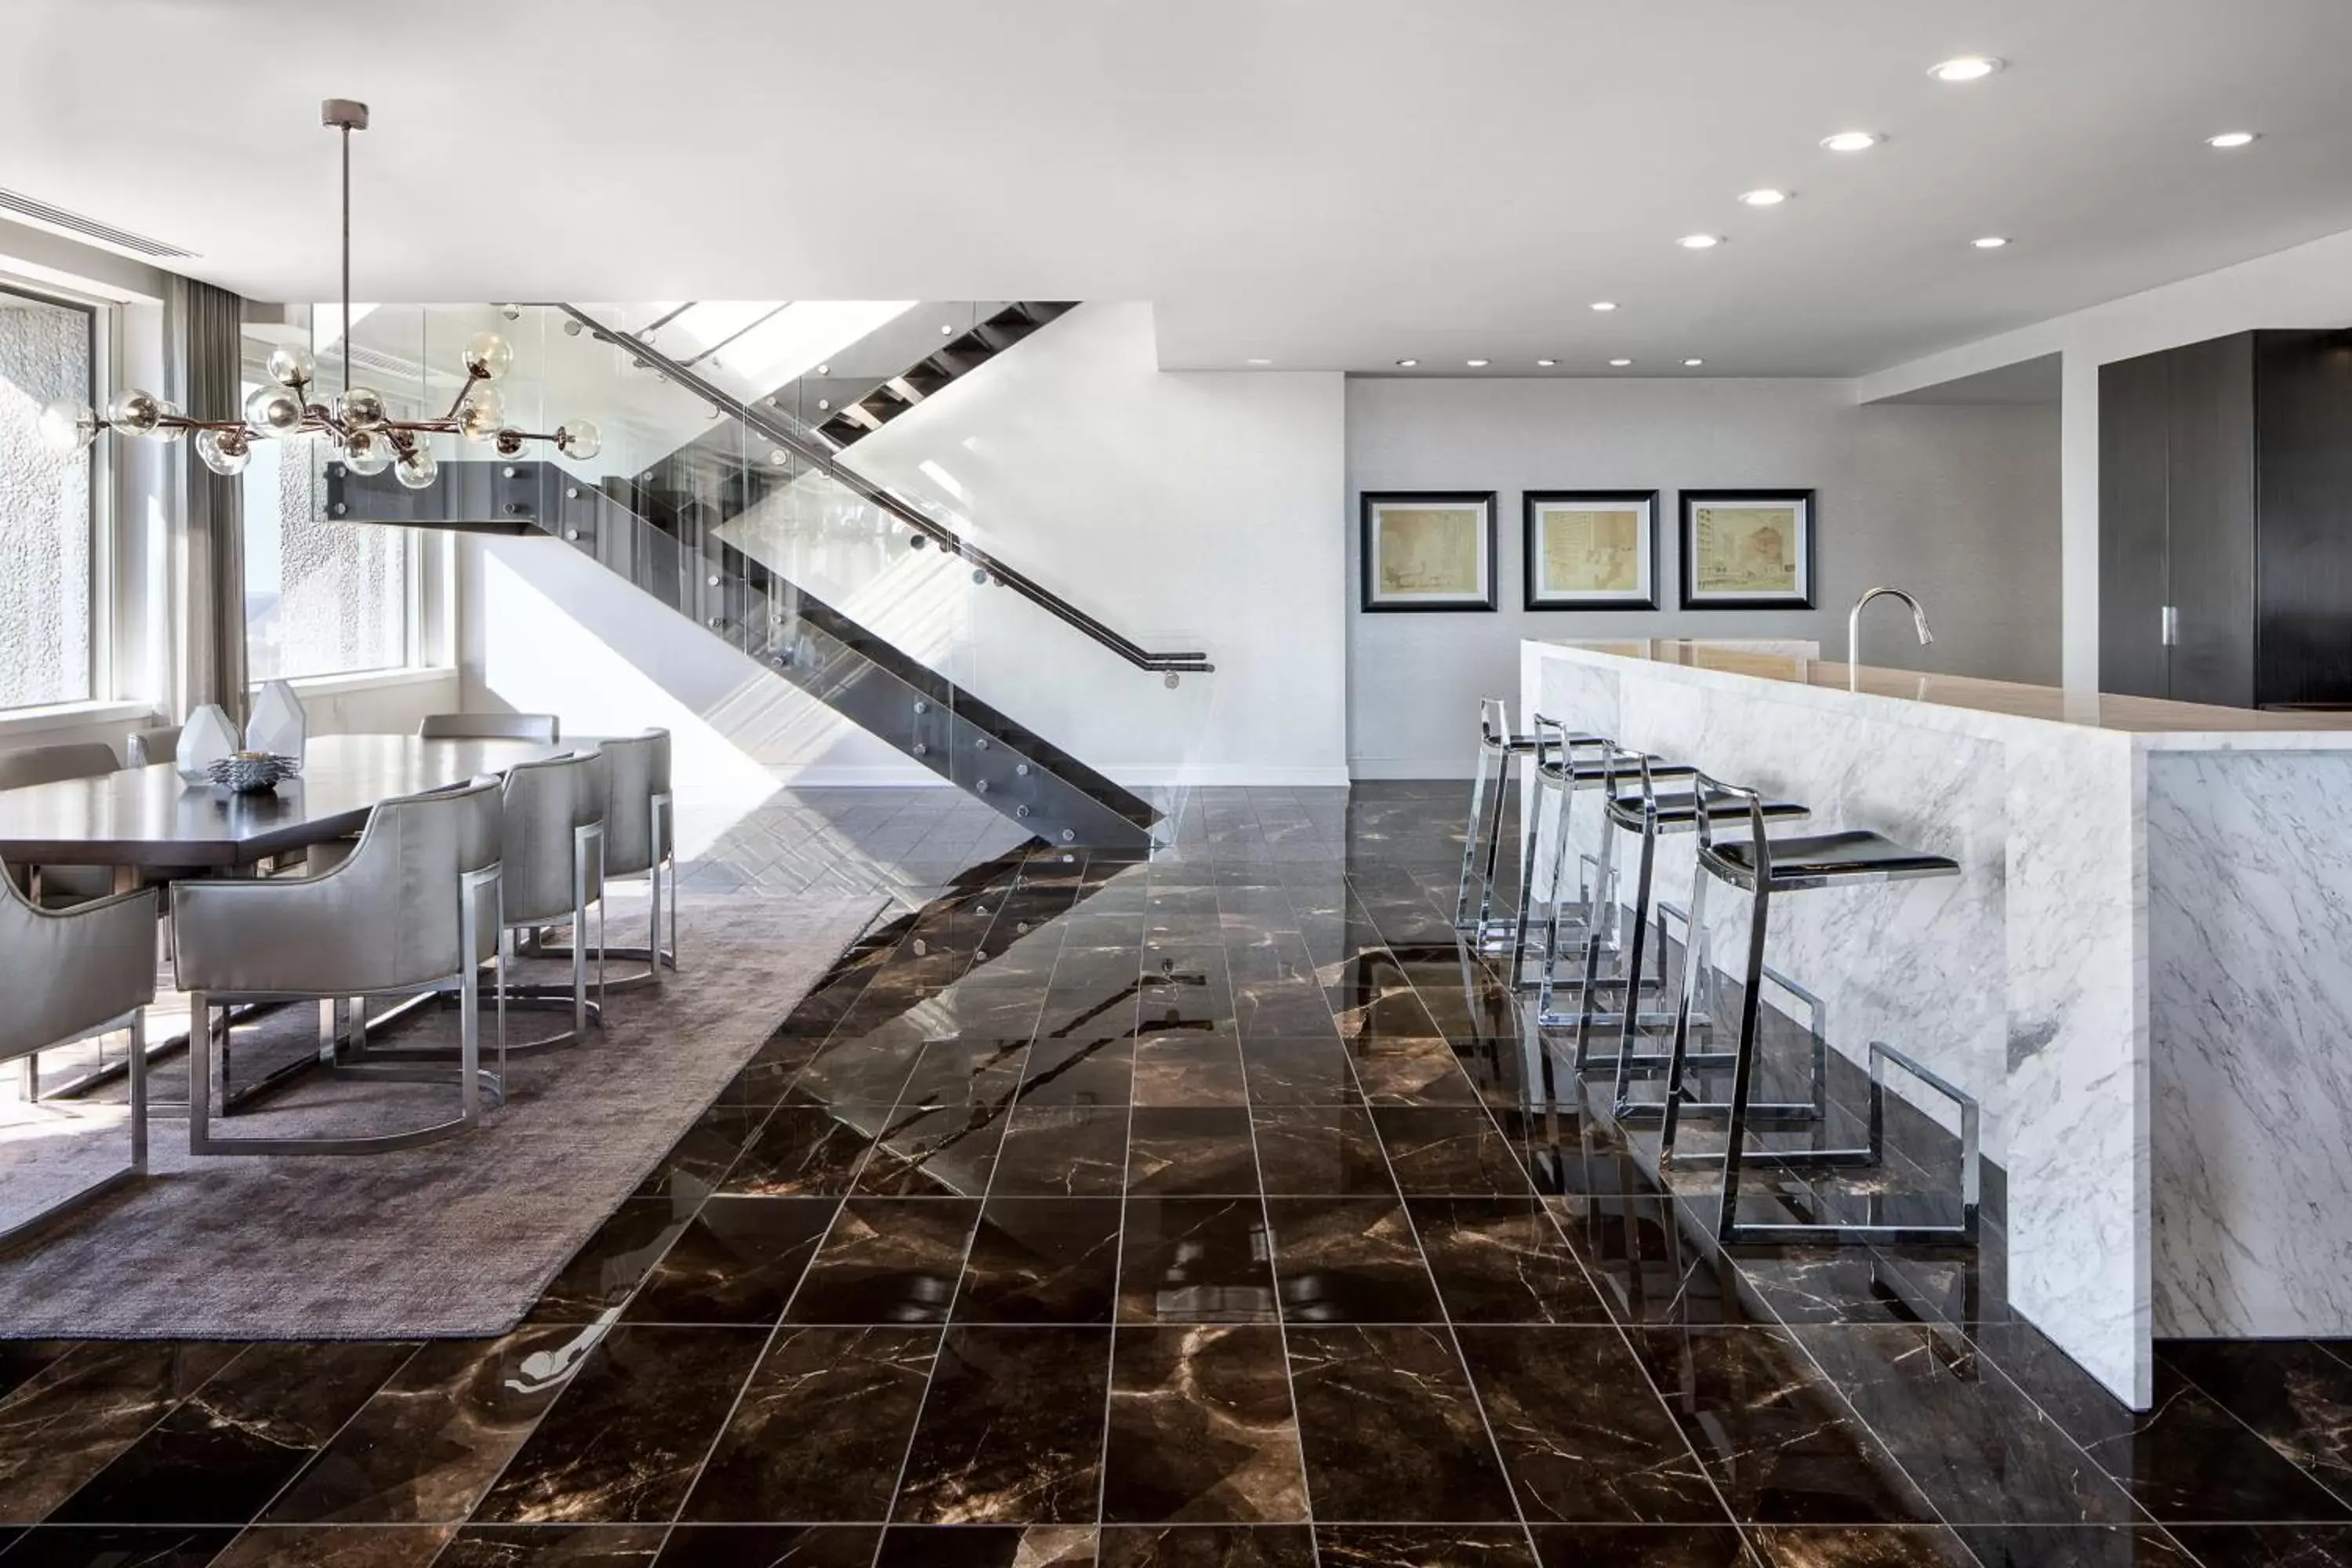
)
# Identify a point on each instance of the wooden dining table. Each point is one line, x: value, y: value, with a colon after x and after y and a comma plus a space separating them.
x: 149, y: 825
x: 148, y: 821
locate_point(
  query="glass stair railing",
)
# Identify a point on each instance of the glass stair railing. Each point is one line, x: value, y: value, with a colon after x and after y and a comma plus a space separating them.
x: 741, y: 517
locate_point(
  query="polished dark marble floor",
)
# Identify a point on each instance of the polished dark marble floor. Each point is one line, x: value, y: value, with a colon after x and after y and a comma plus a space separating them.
x: 1188, y: 1214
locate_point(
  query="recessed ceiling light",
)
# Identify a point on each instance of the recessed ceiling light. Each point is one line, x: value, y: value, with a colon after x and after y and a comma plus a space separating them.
x: 1699, y: 241
x: 1692, y: 363
x: 1477, y: 363
x: 1851, y: 140
x: 2233, y: 139
x: 1966, y: 67
x: 1620, y: 364
x: 1547, y: 363
x: 1604, y: 304
x: 1407, y: 364
x: 1261, y: 362
x: 1990, y: 242
x: 1767, y: 197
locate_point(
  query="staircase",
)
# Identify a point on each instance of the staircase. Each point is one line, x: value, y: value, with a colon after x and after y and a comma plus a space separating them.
x: 660, y: 529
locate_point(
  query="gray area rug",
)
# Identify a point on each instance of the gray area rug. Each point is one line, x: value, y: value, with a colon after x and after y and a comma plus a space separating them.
x: 455, y: 1239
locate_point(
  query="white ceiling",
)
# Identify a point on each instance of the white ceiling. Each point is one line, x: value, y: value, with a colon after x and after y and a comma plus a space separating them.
x: 1326, y: 184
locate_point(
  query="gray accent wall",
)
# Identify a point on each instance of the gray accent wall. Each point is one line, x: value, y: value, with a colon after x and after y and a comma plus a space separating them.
x: 1960, y: 504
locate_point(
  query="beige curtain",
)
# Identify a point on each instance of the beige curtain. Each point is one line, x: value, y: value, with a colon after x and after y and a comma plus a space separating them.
x: 203, y: 345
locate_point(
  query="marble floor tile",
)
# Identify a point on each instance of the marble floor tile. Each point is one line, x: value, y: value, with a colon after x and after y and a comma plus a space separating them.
x: 1320, y: 1150
x: 1836, y: 1546
x: 945, y: 1152
x: 2092, y: 1546
x: 1973, y: 1443
x: 613, y: 1261
x: 623, y: 1442
x: 1581, y: 1435
x: 805, y: 1151
x: 738, y: 1262
x: 768, y: 1546
x: 988, y: 1546
x: 704, y: 1153
x: 1196, y: 1151
x: 2295, y: 1394
x: 967, y: 1071
x: 1348, y: 1260
x: 1390, y: 1429
x: 429, y: 1442
x: 336, y: 1546
x: 1285, y: 1070
x: 1406, y: 1071
x: 887, y: 1260
x: 119, y: 1546
x: 1181, y: 1072
x: 554, y: 1546
x: 1776, y: 1439
x: 1042, y: 1260
x: 1438, y: 1151
x: 1201, y: 1429
x: 862, y: 1071
x: 1092, y: 1068
x: 821, y: 1429
x: 1641, y: 1546
x: 1196, y: 1260
x: 1012, y: 1430
x: 1423, y: 1546
x: 1063, y: 1150
x: 1502, y: 1260
x: 66, y: 1422
x: 1206, y: 1546
x: 226, y: 1451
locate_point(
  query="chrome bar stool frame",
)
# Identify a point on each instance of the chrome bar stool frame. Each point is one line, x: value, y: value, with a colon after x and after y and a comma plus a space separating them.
x: 1559, y: 778
x: 1808, y: 863
x: 1499, y: 746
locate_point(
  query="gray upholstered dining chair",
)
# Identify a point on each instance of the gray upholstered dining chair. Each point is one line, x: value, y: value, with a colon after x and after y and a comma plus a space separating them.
x: 69, y: 975
x: 540, y: 727
x: 640, y: 836
x: 411, y: 909
x: 156, y: 743
x: 56, y: 886
x: 552, y: 849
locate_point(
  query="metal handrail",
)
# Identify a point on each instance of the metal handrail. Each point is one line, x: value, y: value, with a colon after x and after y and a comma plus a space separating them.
x: 939, y: 534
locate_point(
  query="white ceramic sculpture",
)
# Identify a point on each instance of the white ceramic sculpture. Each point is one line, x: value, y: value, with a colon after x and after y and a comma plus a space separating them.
x: 207, y: 738
x: 278, y: 725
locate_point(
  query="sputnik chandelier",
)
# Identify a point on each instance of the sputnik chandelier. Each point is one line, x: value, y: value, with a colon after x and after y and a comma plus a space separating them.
x: 363, y: 433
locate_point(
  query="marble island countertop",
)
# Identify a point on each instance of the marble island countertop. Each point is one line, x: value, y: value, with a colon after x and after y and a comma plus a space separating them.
x: 2165, y: 723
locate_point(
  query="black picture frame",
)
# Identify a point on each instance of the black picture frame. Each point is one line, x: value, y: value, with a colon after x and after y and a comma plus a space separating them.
x: 1373, y: 502
x: 1808, y: 520
x: 1532, y: 507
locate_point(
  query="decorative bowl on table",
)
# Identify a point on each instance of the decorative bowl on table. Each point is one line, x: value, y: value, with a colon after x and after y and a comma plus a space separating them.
x: 253, y: 773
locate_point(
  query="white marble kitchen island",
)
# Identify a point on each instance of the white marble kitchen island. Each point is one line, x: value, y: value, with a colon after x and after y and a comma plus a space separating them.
x: 2141, y: 971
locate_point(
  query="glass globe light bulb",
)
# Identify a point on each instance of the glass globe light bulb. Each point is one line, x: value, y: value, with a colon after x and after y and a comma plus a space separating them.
x: 225, y: 452
x: 417, y: 470
x: 68, y: 426
x: 509, y: 443
x: 168, y: 433
x: 368, y: 452
x: 274, y: 410
x: 579, y: 439
x: 483, y: 412
x: 135, y: 411
x: 290, y: 366
x: 362, y: 408
x: 486, y: 355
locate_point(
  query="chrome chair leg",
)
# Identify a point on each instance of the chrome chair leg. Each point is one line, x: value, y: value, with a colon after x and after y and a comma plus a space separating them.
x: 1470, y: 840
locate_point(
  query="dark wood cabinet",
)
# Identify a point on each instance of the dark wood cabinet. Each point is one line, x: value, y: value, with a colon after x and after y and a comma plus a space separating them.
x: 2225, y: 521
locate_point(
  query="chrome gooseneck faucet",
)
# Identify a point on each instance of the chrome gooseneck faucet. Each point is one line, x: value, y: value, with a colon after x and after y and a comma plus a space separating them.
x: 1853, y: 622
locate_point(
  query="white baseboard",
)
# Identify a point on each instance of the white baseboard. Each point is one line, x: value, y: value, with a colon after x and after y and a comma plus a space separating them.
x: 1413, y: 768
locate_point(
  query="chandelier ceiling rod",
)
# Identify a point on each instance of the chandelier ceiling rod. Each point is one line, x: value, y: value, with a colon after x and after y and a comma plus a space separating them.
x: 358, y: 426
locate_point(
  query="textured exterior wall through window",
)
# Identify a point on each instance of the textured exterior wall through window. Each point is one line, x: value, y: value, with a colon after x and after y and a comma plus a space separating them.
x: 322, y: 598
x: 46, y: 518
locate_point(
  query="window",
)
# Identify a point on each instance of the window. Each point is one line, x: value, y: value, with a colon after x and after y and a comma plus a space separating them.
x: 49, y: 505
x: 320, y: 597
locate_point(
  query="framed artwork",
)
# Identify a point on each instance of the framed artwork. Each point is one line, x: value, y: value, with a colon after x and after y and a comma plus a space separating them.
x: 1591, y: 550
x: 1747, y: 550
x: 1429, y: 550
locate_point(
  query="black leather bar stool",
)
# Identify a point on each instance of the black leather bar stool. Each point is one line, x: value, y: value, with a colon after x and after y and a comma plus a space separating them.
x: 1766, y: 869
x: 1633, y: 803
x: 1566, y: 765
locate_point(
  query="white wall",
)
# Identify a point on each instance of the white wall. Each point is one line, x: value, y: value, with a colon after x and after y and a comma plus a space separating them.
x: 1958, y: 503
x: 2307, y: 286
x: 1181, y: 508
